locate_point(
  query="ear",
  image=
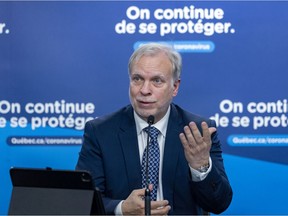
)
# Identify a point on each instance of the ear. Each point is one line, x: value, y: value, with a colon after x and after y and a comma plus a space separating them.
x: 176, y: 87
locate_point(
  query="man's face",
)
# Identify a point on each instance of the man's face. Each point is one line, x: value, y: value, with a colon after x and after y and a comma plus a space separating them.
x: 152, y: 87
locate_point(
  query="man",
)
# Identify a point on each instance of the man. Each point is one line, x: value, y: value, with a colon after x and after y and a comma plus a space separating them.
x: 191, y: 173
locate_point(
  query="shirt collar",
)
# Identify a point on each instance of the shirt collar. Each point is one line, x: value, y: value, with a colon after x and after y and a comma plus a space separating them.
x: 160, y: 125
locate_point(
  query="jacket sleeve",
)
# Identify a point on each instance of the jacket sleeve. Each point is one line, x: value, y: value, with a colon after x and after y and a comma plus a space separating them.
x: 214, y: 193
x: 90, y: 159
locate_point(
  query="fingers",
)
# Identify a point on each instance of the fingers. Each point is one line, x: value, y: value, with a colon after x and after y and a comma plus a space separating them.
x: 212, y: 130
x: 160, y: 207
x: 196, y: 133
x: 138, y: 192
x: 206, y: 133
x: 196, y: 145
x: 192, y: 134
x: 134, y: 203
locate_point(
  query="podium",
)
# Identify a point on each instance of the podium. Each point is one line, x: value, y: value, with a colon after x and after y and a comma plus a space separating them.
x: 53, y: 192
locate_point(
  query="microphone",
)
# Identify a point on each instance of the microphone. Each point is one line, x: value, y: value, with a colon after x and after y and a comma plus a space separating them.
x: 150, y: 121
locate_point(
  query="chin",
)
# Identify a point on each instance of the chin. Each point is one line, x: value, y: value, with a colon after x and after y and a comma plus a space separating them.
x: 144, y: 114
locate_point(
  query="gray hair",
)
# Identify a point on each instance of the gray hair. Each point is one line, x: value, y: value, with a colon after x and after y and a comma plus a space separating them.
x: 152, y: 49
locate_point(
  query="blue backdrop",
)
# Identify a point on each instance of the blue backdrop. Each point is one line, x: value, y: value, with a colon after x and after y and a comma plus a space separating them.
x: 63, y: 63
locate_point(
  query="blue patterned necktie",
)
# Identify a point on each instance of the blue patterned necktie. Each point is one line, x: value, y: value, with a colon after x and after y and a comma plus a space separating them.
x: 153, y: 162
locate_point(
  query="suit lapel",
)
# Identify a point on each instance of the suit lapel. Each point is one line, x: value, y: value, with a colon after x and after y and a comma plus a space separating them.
x: 129, y: 143
x: 173, y: 148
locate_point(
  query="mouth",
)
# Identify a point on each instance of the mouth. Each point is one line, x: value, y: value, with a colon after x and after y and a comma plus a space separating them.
x: 145, y: 103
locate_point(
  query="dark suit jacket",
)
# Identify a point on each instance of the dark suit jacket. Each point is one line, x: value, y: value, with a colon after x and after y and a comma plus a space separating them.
x: 110, y: 152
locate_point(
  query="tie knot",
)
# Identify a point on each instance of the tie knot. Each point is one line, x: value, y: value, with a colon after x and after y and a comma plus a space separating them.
x: 153, y: 132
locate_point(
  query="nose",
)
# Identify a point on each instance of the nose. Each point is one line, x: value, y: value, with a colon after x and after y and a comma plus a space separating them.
x: 146, y: 88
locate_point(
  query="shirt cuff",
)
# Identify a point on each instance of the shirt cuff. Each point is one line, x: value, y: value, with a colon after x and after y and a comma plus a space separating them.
x: 199, y: 176
x: 118, y: 209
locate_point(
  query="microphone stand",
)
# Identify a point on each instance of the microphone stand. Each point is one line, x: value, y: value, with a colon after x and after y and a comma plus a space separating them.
x: 150, y: 121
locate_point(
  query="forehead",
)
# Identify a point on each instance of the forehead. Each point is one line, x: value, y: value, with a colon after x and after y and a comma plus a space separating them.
x: 153, y: 63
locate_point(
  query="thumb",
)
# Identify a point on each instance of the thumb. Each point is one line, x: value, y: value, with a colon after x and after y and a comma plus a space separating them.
x: 212, y: 130
x: 139, y: 192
